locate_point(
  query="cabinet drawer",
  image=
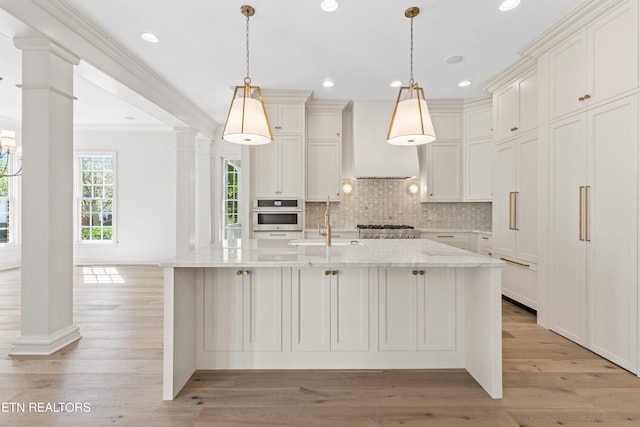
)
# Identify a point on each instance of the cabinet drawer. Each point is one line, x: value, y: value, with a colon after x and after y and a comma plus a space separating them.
x: 485, y: 250
x: 445, y: 237
x: 484, y: 239
x: 277, y: 235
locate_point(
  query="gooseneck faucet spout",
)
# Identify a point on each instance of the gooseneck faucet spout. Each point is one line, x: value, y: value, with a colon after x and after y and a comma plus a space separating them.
x: 327, y: 224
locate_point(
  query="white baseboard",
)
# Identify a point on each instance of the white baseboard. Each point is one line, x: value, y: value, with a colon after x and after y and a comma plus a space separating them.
x: 44, y: 345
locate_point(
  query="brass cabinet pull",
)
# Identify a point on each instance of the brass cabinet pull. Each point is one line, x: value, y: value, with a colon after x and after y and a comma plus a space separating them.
x: 421, y: 272
x: 513, y: 129
x: 327, y: 272
x: 581, y: 99
x: 245, y: 273
x: 483, y: 237
x: 580, y: 203
x: 587, y: 96
x: 242, y: 273
x: 515, y: 210
x: 515, y: 262
x: 239, y: 273
x: 511, y: 210
x: 446, y: 236
x: 414, y: 272
x: 334, y: 272
x: 338, y: 134
x: 587, y: 190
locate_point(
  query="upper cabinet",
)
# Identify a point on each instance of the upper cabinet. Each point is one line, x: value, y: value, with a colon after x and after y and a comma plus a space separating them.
x: 278, y: 167
x: 478, y: 151
x: 324, y: 150
x: 285, y: 119
x: 515, y: 107
x: 595, y: 64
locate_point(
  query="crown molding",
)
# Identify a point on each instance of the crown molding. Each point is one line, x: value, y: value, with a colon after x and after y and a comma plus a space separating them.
x: 477, y: 103
x: 62, y: 24
x: 327, y: 104
x: 44, y: 44
x: 509, y: 74
x: 284, y: 96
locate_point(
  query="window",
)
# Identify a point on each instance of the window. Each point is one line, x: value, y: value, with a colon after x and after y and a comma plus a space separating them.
x: 4, y: 203
x: 97, y: 179
x: 231, y: 199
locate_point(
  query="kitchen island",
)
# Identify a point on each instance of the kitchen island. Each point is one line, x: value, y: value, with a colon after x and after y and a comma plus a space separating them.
x: 373, y: 304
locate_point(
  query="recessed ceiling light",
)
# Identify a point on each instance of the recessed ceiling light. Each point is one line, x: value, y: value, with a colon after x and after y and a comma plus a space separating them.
x: 508, y: 5
x: 396, y: 83
x: 464, y: 83
x: 150, y: 37
x: 329, y: 5
x: 454, y: 59
x: 328, y: 83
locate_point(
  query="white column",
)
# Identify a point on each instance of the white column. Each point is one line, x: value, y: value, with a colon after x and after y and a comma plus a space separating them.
x: 185, y: 189
x: 47, y: 197
x: 203, y: 197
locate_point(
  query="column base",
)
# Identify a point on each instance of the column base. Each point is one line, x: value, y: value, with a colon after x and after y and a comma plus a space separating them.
x: 44, y: 345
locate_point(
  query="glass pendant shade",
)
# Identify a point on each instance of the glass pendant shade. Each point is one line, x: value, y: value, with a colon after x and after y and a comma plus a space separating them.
x: 8, y: 140
x: 411, y: 122
x: 247, y: 122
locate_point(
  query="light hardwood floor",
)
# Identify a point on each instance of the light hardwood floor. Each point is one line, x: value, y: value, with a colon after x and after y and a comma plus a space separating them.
x: 117, y: 369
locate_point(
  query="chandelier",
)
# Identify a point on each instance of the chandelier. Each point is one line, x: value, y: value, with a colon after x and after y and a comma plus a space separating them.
x: 7, y: 147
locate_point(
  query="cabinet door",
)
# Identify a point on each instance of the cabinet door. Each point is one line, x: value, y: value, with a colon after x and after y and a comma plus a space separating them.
x: 444, y: 174
x: 266, y: 166
x: 222, y: 310
x: 568, y: 76
x: 567, y: 250
x: 478, y: 170
x: 505, y: 104
x: 613, y: 221
x: 310, y: 290
x: 324, y: 125
x: 478, y: 123
x: 291, y: 166
x: 397, y: 311
x: 437, y: 309
x: 350, y: 310
x: 613, y: 62
x: 323, y: 171
x: 504, y: 184
x: 262, y: 309
x: 527, y: 102
x: 526, y: 200
x: 290, y: 120
x: 447, y: 125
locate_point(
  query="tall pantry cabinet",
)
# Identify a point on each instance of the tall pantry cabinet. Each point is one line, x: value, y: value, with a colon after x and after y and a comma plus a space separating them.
x: 589, y: 181
x: 515, y: 160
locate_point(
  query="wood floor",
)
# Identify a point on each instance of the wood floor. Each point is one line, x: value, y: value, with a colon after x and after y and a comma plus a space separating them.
x: 116, y: 369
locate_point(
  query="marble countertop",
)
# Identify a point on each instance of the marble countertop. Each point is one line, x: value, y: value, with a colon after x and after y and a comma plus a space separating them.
x: 370, y: 253
x: 342, y: 229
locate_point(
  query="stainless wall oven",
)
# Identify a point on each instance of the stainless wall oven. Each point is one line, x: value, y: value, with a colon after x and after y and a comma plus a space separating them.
x: 277, y: 214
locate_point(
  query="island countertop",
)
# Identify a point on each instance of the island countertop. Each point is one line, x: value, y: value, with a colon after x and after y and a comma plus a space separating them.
x: 368, y: 253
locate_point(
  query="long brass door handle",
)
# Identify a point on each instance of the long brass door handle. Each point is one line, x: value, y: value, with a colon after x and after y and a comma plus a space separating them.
x: 580, y: 214
x: 515, y: 210
x: 515, y: 262
x: 587, y: 191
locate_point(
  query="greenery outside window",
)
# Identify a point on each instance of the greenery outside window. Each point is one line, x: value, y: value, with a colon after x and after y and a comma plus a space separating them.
x: 5, y: 225
x: 97, y: 188
x: 231, y: 199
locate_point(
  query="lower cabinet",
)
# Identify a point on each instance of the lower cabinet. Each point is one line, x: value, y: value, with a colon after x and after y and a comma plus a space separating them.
x: 243, y: 309
x: 287, y: 235
x: 519, y: 281
x: 458, y: 240
x: 412, y: 315
x: 330, y: 309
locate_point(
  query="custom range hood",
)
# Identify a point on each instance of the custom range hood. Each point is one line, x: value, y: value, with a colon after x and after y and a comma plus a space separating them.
x: 373, y: 157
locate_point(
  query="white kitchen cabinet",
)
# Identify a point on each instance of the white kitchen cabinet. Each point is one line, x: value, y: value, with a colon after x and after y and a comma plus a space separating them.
x: 278, y: 167
x: 515, y: 107
x: 478, y: 122
x: 330, y: 309
x: 447, y: 124
x: 324, y: 150
x: 410, y: 316
x: 478, y: 171
x: 595, y: 64
x: 484, y: 244
x: 441, y: 180
x: 285, y: 118
x: 593, y: 225
x: 456, y: 239
x: 335, y: 234
x: 243, y: 309
x: 515, y: 220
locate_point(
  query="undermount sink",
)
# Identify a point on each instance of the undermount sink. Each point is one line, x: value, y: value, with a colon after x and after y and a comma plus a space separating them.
x: 311, y: 242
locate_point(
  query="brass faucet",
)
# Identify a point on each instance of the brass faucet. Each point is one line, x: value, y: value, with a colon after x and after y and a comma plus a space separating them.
x: 327, y: 224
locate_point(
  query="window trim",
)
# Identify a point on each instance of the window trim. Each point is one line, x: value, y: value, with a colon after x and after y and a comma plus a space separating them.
x: 14, y: 208
x: 77, y: 195
x: 223, y: 199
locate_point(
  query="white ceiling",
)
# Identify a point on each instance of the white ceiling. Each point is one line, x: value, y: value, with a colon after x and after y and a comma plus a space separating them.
x: 362, y: 46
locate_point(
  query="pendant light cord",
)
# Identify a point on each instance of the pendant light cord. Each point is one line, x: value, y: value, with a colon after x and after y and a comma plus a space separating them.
x: 247, y: 79
x: 411, y: 56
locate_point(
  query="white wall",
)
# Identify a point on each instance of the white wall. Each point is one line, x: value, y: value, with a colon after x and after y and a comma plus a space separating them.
x: 146, y: 196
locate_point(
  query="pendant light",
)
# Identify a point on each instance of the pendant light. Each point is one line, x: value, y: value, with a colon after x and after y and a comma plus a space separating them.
x: 247, y: 122
x: 411, y: 123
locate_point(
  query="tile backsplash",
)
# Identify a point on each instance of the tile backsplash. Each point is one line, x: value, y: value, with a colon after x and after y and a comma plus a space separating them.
x: 387, y: 201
